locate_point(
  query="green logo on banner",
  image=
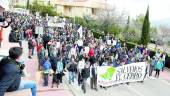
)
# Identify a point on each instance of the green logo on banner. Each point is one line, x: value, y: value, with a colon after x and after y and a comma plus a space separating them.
x: 109, y: 73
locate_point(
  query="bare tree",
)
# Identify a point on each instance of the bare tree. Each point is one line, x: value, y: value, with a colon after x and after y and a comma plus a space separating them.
x: 110, y: 19
x: 163, y: 35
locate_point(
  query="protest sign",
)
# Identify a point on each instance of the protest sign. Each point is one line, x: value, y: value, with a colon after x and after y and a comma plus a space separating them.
x: 109, y: 42
x: 114, y: 42
x: 80, y: 42
x: 86, y: 50
x: 108, y: 76
x: 39, y: 30
x: 80, y: 30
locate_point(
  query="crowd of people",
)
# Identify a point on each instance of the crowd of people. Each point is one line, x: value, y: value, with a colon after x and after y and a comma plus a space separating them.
x: 12, y: 66
x: 75, y: 50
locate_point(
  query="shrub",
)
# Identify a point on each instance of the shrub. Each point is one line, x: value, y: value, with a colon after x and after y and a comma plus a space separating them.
x: 43, y: 9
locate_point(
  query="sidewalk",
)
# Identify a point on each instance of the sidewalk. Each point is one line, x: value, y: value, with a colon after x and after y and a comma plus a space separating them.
x: 165, y: 75
x: 31, y: 69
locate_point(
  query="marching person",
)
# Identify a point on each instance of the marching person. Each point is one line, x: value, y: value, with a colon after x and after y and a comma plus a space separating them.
x: 93, y: 76
x: 152, y: 64
x: 60, y: 69
x: 158, y: 67
x: 41, y: 55
x: 81, y: 65
x: 72, y: 68
x: 164, y: 59
x: 30, y: 47
x: 46, y: 70
x: 85, y: 74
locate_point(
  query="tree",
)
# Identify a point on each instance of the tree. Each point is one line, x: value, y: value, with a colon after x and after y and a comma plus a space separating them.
x: 153, y: 33
x: 145, y: 37
x: 126, y: 30
x: 139, y: 21
x: 163, y: 35
x: 42, y: 9
x: 110, y: 21
x: 19, y: 6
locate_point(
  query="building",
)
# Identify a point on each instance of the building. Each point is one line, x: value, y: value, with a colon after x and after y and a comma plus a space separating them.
x: 18, y: 2
x: 24, y: 2
x: 79, y: 8
x: 70, y: 8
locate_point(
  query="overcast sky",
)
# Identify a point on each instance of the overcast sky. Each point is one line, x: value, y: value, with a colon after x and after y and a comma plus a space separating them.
x: 159, y: 9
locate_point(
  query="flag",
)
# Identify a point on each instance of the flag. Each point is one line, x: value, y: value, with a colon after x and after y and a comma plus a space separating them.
x: 80, y: 30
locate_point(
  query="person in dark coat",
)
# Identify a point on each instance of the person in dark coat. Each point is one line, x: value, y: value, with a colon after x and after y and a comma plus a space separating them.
x: 30, y: 47
x: 11, y: 72
x: 46, y: 39
x: 85, y: 74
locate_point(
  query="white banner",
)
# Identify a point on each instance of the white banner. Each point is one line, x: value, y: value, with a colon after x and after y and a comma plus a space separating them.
x: 108, y: 76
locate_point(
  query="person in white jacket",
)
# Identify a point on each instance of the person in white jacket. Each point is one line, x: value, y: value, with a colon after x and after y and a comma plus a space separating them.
x: 80, y: 66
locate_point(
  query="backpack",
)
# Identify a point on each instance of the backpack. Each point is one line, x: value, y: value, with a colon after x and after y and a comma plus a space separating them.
x: 72, y: 68
x: 46, y: 65
x: 85, y: 73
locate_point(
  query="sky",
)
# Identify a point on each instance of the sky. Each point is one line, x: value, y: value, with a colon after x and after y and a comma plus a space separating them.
x: 159, y: 9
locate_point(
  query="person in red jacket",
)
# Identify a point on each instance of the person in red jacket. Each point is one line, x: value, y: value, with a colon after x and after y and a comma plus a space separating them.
x: 29, y: 33
x: 91, y: 52
x: 39, y: 47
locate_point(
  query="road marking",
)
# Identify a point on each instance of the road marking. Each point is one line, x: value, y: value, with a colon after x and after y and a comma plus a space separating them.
x: 134, y: 90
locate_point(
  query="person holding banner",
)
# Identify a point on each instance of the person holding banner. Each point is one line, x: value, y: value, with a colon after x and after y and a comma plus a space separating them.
x: 158, y: 67
x: 147, y: 62
x: 152, y: 64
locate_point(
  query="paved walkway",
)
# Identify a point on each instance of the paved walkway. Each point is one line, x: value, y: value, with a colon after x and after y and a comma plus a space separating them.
x: 31, y: 69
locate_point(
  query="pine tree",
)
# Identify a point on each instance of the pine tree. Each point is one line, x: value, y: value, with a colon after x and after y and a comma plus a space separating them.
x: 145, y: 37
